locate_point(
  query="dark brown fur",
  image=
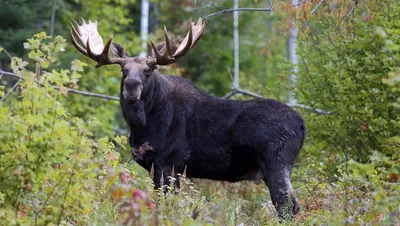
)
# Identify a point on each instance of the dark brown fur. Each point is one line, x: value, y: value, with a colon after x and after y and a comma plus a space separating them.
x: 217, y: 139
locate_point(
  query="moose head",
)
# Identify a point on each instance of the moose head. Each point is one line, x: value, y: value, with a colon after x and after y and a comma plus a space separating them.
x: 137, y: 72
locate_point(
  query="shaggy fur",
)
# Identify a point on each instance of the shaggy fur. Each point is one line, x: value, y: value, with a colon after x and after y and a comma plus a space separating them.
x: 218, y: 139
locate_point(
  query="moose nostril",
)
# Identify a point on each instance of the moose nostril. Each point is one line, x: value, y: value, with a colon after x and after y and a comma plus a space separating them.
x: 132, y: 83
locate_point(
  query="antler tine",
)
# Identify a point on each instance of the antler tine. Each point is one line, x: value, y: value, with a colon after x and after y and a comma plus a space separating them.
x: 158, y: 55
x: 165, y: 57
x: 189, y: 37
x: 163, y: 54
x: 198, y: 31
x: 89, y: 42
x: 167, y: 43
x: 105, y: 56
x: 74, y: 33
x: 89, y: 51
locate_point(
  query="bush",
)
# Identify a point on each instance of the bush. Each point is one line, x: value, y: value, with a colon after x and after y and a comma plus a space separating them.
x: 345, y: 66
x: 343, y: 74
x: 49, y: 161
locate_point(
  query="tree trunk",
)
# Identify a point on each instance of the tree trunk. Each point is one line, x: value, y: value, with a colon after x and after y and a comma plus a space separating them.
x: 144, y: 27
x: 53, y: 18
x: 291, y: 46
x: 236, y: 44
x: 153, y: 18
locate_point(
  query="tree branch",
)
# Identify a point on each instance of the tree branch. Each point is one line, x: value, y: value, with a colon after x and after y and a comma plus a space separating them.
x: 248, y: 93
x: 237, y: 9
x: 235, y: 91
x: 315, y: 110
x: 316, y: 7
x: 351, y: 11
x: 6, y: 52
x: 84, y: 93
x: 270, y: 3
x: 10, y: 91
x: 230, y: 94
x: 270, y: 9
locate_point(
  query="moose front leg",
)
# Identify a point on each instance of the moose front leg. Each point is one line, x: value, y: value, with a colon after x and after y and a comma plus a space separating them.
x: 166, y: 169
x: 163, y: 174
x: 170, y: 160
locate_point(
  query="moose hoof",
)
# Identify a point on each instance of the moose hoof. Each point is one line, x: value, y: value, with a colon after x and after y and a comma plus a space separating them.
x: 288, y: 207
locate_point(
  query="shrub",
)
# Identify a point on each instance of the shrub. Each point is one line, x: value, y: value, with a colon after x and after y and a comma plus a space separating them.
x: 49, y: 161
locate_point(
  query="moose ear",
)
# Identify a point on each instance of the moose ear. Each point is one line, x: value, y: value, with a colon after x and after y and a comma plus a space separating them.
x: 117, y: 51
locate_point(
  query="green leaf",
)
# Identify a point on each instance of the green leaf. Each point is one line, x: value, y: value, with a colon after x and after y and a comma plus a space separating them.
x: 44, y: 64
x: 2, y: 91
x: 77, y: 65
x: 27, y: 45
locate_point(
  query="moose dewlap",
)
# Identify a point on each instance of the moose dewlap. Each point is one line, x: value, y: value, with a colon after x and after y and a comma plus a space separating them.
x: 212, y: 138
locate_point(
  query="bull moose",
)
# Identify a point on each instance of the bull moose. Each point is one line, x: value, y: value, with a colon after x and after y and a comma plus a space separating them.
x: 209, y: 137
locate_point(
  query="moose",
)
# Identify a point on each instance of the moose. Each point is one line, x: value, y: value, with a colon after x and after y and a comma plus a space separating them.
x: 192, y: 132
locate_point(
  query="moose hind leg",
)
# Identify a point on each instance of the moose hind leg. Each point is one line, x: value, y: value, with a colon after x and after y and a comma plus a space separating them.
x: 277, y: 179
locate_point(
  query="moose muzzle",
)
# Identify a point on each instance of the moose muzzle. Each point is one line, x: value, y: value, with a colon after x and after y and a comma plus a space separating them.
x: 132, y: 89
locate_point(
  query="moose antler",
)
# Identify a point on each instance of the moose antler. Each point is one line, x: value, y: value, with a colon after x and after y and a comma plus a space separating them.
x: 165, y: 56
x: 88, y: 41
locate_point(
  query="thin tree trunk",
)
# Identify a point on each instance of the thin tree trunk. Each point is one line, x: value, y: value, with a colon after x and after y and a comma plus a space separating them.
x: 144, y: 27
x: 291, y: 46
x: 236, y: 44
x: 53, y: 18
x: 153, y: 17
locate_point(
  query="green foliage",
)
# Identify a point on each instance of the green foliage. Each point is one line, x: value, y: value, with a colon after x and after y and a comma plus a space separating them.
x: 345, y: 69
x: 49, y: 160
x: 343, y: 74
x: 210, y: 64
x: 42, y: 52
x: 19, y: 20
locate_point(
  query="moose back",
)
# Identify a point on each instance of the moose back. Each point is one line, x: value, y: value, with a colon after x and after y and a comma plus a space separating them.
x: 210, y: 137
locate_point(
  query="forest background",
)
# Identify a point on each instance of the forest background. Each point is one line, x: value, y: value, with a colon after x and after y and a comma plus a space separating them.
x: 64, y: 158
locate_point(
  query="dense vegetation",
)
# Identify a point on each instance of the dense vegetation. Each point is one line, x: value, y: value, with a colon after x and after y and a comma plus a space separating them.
x: 64, y: 158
